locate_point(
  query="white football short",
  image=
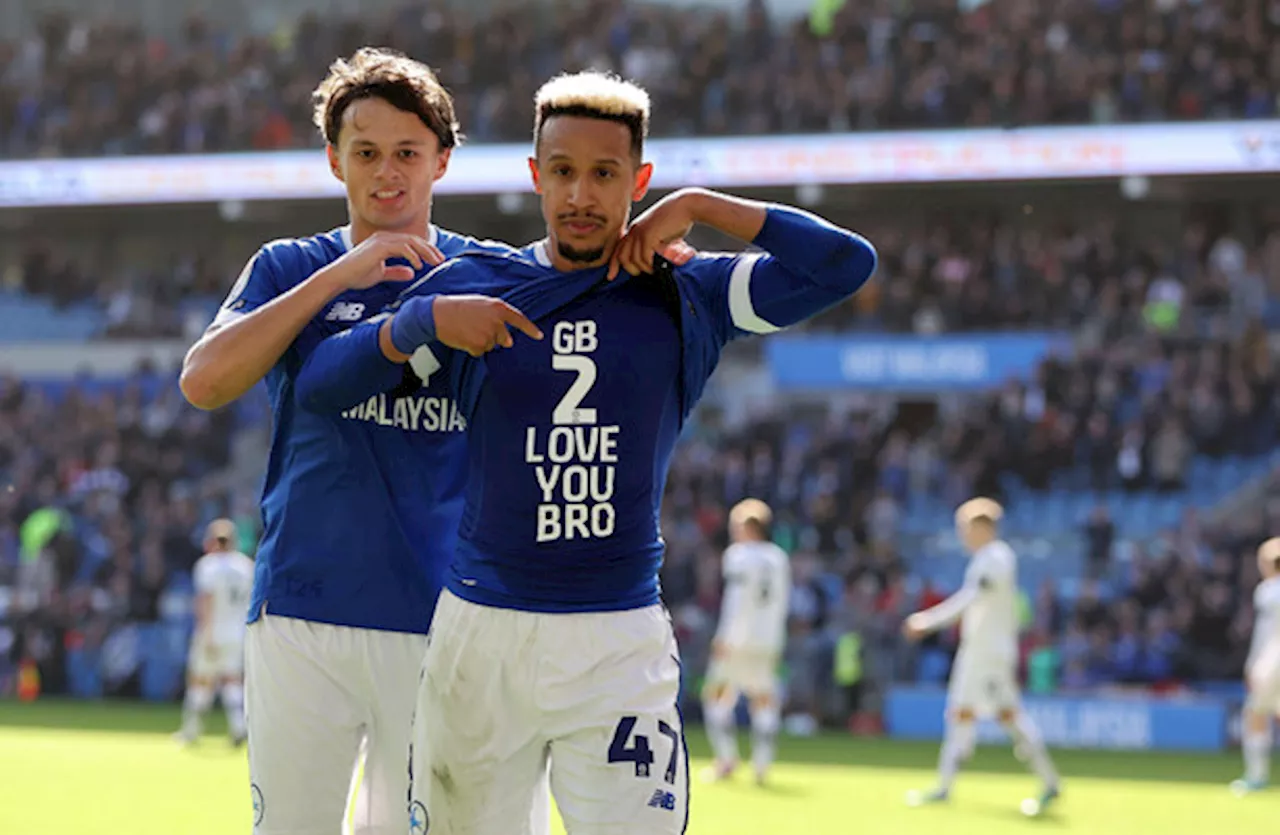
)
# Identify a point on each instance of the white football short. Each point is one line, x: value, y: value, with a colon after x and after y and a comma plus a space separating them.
x: 1263, y: 680
x: 504, y: 693
x: 211, y: 661
x: 753, y: 672
x: 316, y: 697
x: 983, y: 685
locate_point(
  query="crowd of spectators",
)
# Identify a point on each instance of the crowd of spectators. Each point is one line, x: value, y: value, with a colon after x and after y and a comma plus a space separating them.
x: 71, y: 88
x: 103, y: 492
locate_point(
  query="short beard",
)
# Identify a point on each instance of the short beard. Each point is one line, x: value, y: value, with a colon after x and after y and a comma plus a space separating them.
x: 579, y: 256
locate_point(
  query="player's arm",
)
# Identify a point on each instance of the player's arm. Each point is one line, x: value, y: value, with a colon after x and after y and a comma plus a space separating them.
x: 203, y: 606
x: 944, y: 614
x: 258, y: 323
x: 808, y: 263
x: 350, y: 367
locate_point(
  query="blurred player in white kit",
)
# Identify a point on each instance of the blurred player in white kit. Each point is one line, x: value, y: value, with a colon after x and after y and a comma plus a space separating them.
x: 1262, y: 674
x: 224, y: 584
x: 984, y: 676
x: 749, y: 641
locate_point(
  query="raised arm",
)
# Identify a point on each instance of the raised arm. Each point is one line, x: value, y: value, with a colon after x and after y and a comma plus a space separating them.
x: 263, y: 315
x: 808, y: 264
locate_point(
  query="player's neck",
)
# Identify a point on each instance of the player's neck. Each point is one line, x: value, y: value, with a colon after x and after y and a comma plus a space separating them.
x: 361, y: 229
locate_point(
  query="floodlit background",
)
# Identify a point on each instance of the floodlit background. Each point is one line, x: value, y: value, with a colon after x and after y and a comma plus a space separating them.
x: 1075, y: 206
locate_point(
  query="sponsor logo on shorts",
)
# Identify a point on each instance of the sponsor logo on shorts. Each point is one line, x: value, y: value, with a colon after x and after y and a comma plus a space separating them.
x: 419, y: 822
x: 663, y: 800
x: 258, y: 805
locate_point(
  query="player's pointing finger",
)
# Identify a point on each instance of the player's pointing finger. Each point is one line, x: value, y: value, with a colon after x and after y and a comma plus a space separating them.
x: 518, y: 320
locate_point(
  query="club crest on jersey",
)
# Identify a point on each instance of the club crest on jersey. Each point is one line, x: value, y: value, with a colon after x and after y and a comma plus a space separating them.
x: 345, y: 312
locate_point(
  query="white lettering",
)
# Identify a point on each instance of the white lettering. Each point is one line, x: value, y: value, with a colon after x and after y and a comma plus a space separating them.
x: 531, y: 455
x: 562, y: 338
x: 609, y: 444
x: 547, y: 481
x: 575, y: 483
x: 602, y: 519
x: 569, y: 410
x: 560, y: 446
x: 411, y: 414
x: 548, y: 522
x: 575, y: 520
x: 599, y: 492
x: 416, y: 406
x: 382, y: 411
x: 575, y: 442
x: 584, y: 337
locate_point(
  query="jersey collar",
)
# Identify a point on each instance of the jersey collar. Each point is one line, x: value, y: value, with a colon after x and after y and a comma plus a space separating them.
x: 433, y: 235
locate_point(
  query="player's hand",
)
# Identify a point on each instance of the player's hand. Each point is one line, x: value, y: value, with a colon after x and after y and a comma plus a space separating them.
x: 478, y: 324
x: 366, y: 265
x: 913, y: 628
x: 660, y: 230
x: 717, y: 650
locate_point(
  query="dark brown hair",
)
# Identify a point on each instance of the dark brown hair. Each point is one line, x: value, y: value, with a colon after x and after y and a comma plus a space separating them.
x: 400, y: 81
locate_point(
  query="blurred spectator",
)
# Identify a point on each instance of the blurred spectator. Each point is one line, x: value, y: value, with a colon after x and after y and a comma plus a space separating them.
x: 1100, y: 534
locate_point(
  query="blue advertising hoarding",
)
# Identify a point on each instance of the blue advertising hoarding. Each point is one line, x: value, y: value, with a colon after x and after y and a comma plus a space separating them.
x: 898, y: 362
x: 1136, y: 723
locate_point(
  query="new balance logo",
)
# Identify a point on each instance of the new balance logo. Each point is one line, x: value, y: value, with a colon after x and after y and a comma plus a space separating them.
x: 345, y: 312
x: 663, y: 800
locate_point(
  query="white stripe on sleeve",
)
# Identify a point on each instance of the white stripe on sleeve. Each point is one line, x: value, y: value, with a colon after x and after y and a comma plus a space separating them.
x: 741, y: 310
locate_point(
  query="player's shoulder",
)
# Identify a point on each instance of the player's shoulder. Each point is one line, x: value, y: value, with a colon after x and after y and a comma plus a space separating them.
x: 709, y: 266
x: 1268, y: 593
x: 454, y: 244
x: 296, y: 258
x: 996, y: 554
x: 487, y: 267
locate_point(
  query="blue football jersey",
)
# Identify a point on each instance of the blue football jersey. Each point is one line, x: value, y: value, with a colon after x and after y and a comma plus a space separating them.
x: 570, y: 442
x: 569, y: 447
x: 360, y: 509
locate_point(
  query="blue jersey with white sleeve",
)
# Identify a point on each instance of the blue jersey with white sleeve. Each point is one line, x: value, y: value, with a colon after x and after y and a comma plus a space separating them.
x: 570, y: 437
x: 360, y: 508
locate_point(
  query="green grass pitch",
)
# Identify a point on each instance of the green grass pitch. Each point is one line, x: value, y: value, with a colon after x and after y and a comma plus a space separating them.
x: 72, y: 768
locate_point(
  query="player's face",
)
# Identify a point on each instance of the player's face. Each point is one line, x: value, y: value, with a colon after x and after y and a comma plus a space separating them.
x: 968, y: 536
x: 588, y: 180
x: 389, y: 161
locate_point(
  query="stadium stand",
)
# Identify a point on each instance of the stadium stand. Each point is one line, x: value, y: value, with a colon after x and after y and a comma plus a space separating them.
x: 1121, y: 460
x: 74, y: 89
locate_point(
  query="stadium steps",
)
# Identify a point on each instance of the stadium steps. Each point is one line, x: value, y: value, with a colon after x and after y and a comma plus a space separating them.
x: 30, y: 319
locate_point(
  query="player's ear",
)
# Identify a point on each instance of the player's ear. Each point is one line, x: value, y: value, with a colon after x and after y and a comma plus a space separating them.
x: 335, y: 165
x: 641, y: 186
x: 442, y: 162
x: 533, y: 171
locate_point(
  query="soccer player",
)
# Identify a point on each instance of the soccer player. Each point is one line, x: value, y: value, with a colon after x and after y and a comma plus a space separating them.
x: 223, y: 581
x: 1262, y: 673
x: 360, y: 509
x: 984, y: 677
x: 749, y: 641
x: 550, y: 643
